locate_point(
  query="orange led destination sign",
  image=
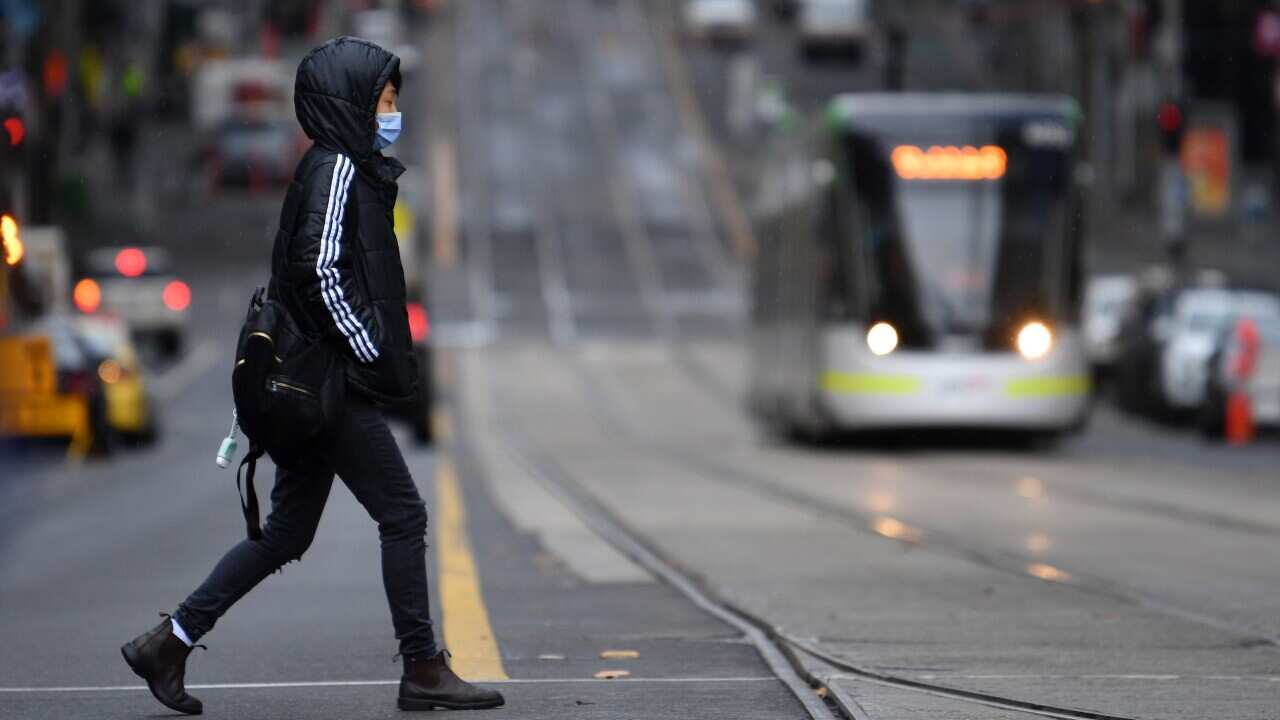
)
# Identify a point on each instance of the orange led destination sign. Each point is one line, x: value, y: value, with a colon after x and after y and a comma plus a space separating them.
x: 949, y: 163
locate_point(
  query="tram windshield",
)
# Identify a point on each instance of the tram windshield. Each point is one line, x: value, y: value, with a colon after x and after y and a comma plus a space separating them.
x: 962, y: 231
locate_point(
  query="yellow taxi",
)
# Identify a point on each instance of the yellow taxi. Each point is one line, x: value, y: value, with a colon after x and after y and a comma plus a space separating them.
x: 74, y: 378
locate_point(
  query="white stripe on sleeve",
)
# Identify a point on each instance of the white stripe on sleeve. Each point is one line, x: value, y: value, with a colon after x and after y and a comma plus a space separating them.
x: 330, y: 247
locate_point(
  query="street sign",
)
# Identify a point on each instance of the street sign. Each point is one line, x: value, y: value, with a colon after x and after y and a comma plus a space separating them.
x: 1206, y: 161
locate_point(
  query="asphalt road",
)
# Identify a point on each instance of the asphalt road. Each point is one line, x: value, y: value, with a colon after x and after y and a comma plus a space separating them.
x: 597, y: 484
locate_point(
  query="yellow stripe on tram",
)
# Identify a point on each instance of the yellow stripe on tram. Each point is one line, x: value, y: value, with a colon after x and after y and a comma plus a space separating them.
x: 465, y: 619
x: 869, y: 384
x: 1052, y: 386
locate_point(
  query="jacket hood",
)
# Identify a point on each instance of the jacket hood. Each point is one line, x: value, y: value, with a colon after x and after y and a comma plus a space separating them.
x: 336, y: 95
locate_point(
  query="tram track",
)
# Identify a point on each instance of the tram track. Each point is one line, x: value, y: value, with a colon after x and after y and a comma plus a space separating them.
x: 870, y: 523
x: 780, y: 650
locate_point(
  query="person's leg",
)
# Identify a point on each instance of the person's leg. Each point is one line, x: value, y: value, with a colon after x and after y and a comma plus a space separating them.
x: 367, y: 459
x: 369, y: 462
x: 297, y: 501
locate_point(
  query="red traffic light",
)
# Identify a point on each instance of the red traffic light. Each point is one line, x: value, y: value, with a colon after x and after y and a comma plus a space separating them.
x: 15, y: 128
x: 1169, y: 117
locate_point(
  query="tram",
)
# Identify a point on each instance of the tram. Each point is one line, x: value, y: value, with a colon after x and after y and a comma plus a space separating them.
x: 919, y: 264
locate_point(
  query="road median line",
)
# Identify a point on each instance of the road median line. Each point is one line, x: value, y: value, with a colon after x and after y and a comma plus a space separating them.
x: 465, y: 619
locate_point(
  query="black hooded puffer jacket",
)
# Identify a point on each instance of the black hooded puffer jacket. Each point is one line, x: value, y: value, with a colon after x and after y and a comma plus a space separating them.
x: 336, y: 264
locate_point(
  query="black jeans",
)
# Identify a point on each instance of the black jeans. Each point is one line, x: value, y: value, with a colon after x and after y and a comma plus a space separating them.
x: 362, y: 451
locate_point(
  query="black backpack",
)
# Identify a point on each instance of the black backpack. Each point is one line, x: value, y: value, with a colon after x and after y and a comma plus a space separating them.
x: 289, y: 380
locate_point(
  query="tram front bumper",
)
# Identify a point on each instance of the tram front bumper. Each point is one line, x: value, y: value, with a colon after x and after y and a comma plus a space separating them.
x: 858, y: 390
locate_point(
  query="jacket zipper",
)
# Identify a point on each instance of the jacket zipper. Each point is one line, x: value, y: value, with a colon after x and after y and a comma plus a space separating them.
x: 276, y: 386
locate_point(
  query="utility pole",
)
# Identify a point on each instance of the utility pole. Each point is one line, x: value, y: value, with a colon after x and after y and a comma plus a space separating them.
x: 1173, y: 195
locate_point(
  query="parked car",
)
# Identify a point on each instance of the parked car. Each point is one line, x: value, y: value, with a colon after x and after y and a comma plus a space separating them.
x: 1167, y: 341
x: 827, y: 26
x: 1107, y: 299
x: 136, y: 285
x: 1193, y: 331
x: 1262, y: 388
x: 720, y: 20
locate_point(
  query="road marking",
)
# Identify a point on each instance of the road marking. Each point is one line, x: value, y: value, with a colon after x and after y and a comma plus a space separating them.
x: 442, y: 426
x: 377, y: 683
x: 176, y: 379
x: 467, y: 632
x: 722, y: 191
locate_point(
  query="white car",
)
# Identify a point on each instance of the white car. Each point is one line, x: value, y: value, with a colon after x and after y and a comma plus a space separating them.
x: 1191, y: 334
x: 136, y: 285
x: 833, y: 25
x: 1107, y: 298
x: 720, y: 19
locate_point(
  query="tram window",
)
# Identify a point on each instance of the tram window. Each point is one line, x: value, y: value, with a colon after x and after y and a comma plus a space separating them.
x: 835, y: 291
x: 961, y: 257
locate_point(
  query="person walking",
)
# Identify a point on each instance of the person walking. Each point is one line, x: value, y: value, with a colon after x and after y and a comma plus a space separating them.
x: 336, y: 267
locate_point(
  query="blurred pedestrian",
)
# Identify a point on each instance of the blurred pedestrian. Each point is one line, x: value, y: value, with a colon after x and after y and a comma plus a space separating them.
x: 339, y: 273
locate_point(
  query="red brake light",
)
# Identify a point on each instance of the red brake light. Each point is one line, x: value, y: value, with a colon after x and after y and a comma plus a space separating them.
x: 16, y: 129
x: 131, y: 262
x: 87, y: 296
x: 177, y: 296
x: 419, y: 326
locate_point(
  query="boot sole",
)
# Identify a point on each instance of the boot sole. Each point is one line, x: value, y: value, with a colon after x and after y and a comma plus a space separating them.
x: 411, y: 704
x: 131, y: 657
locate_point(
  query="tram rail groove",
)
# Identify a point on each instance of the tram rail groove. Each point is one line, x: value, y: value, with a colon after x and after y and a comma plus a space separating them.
x: 603, y: 408
x: 781, y: 659
x: 939, y: 541
x: 780, y: 651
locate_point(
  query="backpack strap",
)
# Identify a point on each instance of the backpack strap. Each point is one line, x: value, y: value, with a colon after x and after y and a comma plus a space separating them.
x: 249, y: 496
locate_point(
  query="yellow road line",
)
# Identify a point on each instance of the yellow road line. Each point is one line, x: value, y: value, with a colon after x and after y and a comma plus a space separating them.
x: 465, y: 620
x: 441, y: 426
x: 723, y: 193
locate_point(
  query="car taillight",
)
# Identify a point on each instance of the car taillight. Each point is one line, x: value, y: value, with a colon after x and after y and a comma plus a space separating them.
x: 419, y: 326
x: 87, y: 296
x: 177, y: 296
x: 131, y: 262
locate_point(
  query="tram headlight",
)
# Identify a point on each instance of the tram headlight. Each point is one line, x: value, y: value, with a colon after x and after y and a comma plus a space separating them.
x: 1034, y: 340
x: 882, y: 338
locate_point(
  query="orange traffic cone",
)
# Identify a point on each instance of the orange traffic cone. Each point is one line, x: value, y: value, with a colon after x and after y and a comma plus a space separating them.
x: 1240, y: 429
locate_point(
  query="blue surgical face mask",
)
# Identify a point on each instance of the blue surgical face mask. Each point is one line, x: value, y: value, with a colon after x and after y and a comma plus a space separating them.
x: 388, y: 130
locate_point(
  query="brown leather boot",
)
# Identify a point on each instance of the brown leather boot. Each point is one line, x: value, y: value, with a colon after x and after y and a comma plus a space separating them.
x: 429, y: 683
x: 160, y: 658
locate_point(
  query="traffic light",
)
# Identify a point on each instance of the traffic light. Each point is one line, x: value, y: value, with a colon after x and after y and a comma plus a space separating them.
x: 1170, y: 119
